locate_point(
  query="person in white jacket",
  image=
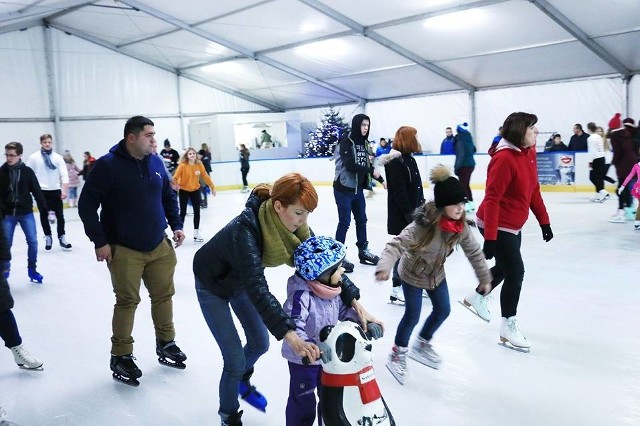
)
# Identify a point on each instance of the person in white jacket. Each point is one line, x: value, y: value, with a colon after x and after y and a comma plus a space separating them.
x: 51, y: 171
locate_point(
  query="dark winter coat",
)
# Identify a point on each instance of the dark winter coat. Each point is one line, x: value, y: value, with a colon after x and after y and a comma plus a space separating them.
x: 6, y: 301
x: 231, y: 263
x: 464, y: 150
x: 578, y: 143
x: 18, y: 202
x: 136, y: 200
x: 353, y: 166
x: 404, y: 189
x: 624, y: 156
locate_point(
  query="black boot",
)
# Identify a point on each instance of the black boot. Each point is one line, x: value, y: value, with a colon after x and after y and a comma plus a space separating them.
x: 233, y: 420
x: 348, y: 266
x: 125, y: 370
x: 170, y: 354
x: 366, y: 257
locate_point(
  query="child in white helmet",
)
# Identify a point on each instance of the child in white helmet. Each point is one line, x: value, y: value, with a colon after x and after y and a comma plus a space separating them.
x: 313, y: 302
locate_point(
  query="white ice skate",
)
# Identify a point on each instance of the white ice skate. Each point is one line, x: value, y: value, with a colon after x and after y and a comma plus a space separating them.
x: 617, y: 217
x: 511, y: 337
x: 397, y: 363
x: 423, y: 352
x: 24, y: 359
x: 397, y: 296
x: 478, y: 304
x: 197, y: 237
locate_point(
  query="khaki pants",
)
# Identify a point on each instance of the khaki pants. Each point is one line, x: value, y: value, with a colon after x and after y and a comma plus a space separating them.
x: 128, y: 267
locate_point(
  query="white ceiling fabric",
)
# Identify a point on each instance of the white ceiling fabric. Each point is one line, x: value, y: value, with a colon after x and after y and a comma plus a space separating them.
x: 365, y: 50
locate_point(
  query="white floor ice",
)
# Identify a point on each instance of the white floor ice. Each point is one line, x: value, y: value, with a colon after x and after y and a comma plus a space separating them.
x: 579, y: 308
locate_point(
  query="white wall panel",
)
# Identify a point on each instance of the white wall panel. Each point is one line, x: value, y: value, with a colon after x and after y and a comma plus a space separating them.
x: 94, y: 81
x: 558, y: 106
x: 28, y: 134
x: 99, y: 136
x: 430, y: 115
x: 634, y: 98
x: 198, y: 98
x: 23, y: 75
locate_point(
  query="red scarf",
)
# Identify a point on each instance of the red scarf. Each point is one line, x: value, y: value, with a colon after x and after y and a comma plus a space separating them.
x: 450, y: 225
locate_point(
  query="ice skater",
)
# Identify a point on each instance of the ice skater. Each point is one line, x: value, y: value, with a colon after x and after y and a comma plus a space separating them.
x: 512, y: 189
x: 635, y: 190
x: 313, y: 302
x: 423, y: 247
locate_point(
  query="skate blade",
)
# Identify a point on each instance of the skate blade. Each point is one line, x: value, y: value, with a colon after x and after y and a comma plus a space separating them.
x: 472, y: 311
x: 126, y: 380
x: 396, y: 302
x: 508, y: 345
x: 38, y: 368
x: 35, y: 281
x: 173, y: 364
x: 434, y: 365
x: 400, y: 379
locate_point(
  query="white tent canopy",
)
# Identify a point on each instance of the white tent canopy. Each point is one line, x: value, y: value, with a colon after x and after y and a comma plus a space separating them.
x: 68, y: 64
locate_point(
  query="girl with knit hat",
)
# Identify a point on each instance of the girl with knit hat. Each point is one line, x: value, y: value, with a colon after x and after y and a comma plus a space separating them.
x: 624, y: 158
x: 423, y: 247
x: 313, y: 302
x: 229, y: 275
x: 512, y: 190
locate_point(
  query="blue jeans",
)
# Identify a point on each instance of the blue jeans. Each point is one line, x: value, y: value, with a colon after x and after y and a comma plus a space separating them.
x: 347, y: 203
x: 28, y: 225
x: 72, y: 193
x: 412, y: 306
x: 237, y: 359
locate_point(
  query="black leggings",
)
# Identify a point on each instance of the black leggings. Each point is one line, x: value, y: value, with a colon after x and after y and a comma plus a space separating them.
x: 194, y: 196
x: 510, y: 269
x: 596, y: 175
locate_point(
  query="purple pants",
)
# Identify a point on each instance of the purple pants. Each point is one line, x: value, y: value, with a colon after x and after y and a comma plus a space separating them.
x: 301, y: 405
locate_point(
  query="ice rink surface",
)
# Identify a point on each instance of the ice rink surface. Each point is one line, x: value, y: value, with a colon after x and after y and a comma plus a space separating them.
x: 580, y: 309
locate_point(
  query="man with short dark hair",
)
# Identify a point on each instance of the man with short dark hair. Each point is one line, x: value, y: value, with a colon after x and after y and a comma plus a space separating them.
x: 578, y: 141
x: 447, y: 147
x: 17, y: 184
x: 132, y: 188
x: 51, y: 171
x: 171, y: 156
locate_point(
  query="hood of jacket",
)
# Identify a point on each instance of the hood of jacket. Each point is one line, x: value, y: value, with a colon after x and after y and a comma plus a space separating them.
x: 504, y: 144
x: 356, y: 122
x: 424, y: 214
x: 386, y: 158
x: 120, y: 150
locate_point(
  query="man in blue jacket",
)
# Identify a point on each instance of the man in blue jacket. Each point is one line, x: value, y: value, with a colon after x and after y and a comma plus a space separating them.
x: 132, y: 187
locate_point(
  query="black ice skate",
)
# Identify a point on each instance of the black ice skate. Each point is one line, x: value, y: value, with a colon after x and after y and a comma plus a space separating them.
x: 366, y: 257
x: 348, y: 266
x: 169, y: 354
x: 125, y: 370
x: 233, y: 420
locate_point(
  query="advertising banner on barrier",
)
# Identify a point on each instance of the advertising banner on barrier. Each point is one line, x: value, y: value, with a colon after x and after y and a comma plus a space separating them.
x: 556, y: 168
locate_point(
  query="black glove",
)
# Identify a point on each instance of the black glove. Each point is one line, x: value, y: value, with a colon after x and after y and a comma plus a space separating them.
x: 374, y: 330
x: 547, y: 235
x: 489, y: 249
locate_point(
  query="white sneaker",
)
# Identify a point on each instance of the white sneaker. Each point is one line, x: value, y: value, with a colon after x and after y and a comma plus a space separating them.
x: 397, y: 296
x: 197, y: 237
x: 510, y: 333
x: 423, y: 352
x: 617, y: 217
x: 24, y: 359
x: 479, y: 305
x: 397, y: 363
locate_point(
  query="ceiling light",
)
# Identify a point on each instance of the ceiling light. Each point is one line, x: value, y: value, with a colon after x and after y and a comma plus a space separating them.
x: 224, y: 68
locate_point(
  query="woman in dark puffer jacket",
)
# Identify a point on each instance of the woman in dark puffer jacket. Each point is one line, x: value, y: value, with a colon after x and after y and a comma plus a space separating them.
x: 229, y: 275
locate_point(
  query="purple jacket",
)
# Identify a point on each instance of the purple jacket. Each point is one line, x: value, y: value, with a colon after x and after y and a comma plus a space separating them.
x: 311, y: 314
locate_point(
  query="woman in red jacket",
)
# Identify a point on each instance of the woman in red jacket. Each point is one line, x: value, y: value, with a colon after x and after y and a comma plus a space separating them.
x: 512, y: 189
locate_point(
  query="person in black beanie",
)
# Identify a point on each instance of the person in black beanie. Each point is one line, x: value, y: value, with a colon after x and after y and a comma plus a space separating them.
x: 423, y: 247
x: 352, y: 176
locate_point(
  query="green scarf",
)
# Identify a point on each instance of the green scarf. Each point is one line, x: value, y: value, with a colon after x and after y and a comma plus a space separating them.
x: 278, y: 243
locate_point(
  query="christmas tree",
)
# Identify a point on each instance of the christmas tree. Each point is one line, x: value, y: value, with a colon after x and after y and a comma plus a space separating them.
x: 323, y: 140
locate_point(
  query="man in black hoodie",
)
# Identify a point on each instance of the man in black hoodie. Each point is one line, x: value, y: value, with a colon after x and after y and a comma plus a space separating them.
x: 17, y: 183
x: 353, y: 175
